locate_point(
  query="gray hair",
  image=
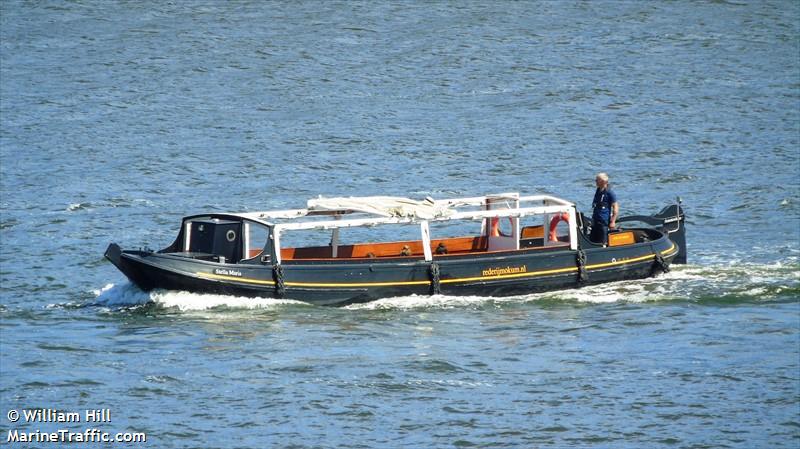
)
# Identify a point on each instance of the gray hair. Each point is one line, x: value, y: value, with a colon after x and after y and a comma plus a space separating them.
x: 603, y: 176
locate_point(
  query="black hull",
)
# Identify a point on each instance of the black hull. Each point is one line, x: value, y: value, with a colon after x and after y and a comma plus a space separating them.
x: 337, y: 282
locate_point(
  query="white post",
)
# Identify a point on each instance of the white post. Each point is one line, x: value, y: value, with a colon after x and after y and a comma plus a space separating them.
x: 246, y: 240
x: 546, y: 224
x: 276, y: 243
x: 187, y: 236
x: 426, y: 240
x: 335, y: 243
x: 335, y: 238
x: 515, y: 232
x: 573, y: 229
x: 546, y: 230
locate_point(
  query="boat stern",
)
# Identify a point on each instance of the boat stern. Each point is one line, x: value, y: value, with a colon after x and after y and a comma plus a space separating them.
x: 671, y: 220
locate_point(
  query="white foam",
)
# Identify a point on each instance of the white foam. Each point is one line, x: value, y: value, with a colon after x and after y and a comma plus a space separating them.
x: 422, y: 301
x: 186, y: 301
x: 651, y: 289
x: 77, y: 206
x: 128, y: 295
x: 682, y: 282
x: 125, y: 295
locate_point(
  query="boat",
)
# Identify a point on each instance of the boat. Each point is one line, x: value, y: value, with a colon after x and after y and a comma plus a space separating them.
x: 493, y: 245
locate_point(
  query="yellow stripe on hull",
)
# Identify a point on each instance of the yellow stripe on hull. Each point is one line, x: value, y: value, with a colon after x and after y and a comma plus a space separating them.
x: 443, y: 281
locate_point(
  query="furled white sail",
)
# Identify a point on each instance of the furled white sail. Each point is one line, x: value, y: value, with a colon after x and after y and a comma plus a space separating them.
x: 385, y: 206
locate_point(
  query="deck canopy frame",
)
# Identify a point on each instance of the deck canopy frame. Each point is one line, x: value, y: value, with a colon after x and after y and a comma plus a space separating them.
x: 470, y: 208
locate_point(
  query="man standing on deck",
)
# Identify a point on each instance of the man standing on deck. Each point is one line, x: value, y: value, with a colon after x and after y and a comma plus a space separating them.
x: 605, y: 210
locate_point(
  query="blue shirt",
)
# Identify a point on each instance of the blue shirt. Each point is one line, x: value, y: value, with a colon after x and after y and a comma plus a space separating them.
x: 603, y: 199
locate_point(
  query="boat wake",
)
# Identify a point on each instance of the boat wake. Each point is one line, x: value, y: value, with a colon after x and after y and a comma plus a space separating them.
x: 694, y: 283
x: 128, y: 295
x: 120, y: 296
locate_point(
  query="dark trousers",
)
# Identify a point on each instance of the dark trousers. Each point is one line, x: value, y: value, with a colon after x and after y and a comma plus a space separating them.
x: 599, y: 232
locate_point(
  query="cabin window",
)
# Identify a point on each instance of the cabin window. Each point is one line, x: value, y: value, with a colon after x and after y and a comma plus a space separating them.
x: 499, y: 226
x: 455, y: 228
x: 377, y: 234
x: 458, y: 236
x: 257, y: 235
x: 532, y: 228
x: 536, y: 230
x: 394, y: 240
x: 562, y: 229
x: 307, y: 238
x: 386, y: 240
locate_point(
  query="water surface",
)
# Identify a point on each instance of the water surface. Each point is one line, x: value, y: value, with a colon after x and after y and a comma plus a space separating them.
x: 118, y: 118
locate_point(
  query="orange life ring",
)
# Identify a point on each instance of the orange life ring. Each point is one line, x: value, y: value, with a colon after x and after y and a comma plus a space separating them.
x: 494, y: 227
x: 554, y: 224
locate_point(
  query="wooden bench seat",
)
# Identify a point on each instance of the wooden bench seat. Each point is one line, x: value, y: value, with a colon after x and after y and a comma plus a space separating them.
x: 533, y: 232
x: 456, y: 245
